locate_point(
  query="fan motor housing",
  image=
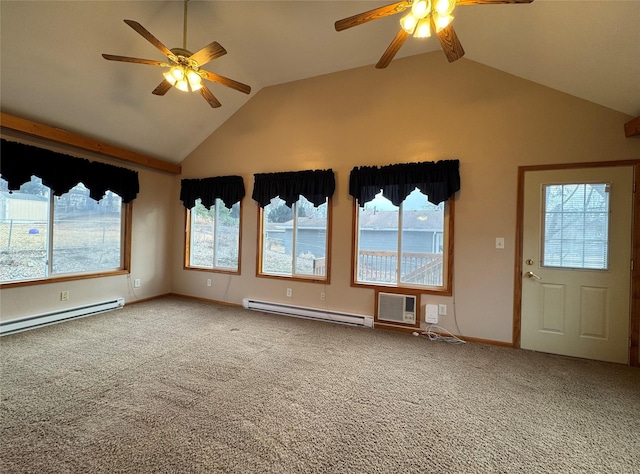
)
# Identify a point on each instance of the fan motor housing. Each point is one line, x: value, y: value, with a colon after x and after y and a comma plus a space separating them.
x: 182, y: 56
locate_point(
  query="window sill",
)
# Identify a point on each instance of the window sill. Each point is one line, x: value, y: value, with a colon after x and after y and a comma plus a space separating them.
x: 427, y: 290
x: 58, y: 279
x: 309, y: 279
x: 229, y: 271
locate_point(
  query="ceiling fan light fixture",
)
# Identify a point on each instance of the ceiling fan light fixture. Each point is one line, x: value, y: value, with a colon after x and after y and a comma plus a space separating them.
x: 173, y: 75
x: 182, y: 85
x: 421, y: 8
x: 423, y: 30
x: 183, y: 69
x: 169, y: 77
x: 195, y: 81
x: 183, y: 78
x: 409, y: 23
x: 437, y: 14
x: 177, y: 73
x: 444, y: 7
x: 442, y: 21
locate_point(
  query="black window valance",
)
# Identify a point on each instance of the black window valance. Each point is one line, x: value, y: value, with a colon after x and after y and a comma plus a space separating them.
x: 61, y: 172
x: 316, y: 186
x: 229, y: 189
x: 439, y: 181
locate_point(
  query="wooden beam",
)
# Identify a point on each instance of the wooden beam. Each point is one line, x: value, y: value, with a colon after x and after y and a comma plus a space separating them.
x: 632, y: 128
x: 58, y: 135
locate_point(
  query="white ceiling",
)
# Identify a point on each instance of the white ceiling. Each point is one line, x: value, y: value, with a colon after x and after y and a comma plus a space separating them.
x: 52, y: 71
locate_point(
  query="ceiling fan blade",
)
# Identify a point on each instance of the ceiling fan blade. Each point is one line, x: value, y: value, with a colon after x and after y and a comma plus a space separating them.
x: 127, y: 59
x: 225, y: 81
x: 149, y: 37
x: 208, y: 53
x: 393, y: 48
x: 374, y: 14
x: 489, y: 2
x: 449, y: 42
x: 162, y: 88
x: 209, y: 97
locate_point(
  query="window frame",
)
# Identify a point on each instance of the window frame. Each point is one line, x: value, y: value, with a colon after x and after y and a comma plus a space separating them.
x: 187, y: 245
x: 296, y: 277
x: 126, y: 234
x: 448, y: 255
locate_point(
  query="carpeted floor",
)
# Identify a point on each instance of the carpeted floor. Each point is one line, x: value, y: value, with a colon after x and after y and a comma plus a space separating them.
x: 174, y: 385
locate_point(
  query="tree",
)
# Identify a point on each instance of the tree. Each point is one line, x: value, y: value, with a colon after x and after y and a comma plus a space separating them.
x: 280, y: 213
x: 35, y: 187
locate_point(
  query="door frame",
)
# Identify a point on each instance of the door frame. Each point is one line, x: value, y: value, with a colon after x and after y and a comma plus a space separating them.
x: 634, y: 314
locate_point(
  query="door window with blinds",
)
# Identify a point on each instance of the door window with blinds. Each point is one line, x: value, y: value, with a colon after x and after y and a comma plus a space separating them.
x: 576, y: 226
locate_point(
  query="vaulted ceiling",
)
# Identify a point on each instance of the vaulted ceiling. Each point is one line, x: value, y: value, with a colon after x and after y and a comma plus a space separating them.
x: 52, y: 71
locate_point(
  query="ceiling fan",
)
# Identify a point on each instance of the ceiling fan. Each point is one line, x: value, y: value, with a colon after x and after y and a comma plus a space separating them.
x: 185, y: 68
x: 425, y: 17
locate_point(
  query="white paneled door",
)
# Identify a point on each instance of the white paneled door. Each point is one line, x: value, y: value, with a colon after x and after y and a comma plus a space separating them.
x: 577, y: 262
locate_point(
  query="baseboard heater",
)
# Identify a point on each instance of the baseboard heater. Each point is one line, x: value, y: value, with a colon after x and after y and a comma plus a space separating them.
x: 309, y: 313
x: 32, y: 322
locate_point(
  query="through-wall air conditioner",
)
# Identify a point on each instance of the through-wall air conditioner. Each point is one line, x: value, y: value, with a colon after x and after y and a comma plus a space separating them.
x: 397, y: 308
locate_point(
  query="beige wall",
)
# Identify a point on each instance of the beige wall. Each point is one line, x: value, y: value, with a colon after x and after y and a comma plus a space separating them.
x: 419, y: 109
x: 151, y: 247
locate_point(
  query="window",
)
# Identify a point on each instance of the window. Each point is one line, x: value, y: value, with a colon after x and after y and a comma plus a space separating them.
x: 294, y: 240
x: 295, y: 223
x: 576, y: 226
x: 403, y: 225
x: 213, y: 222
x: 405, y: 245
x: 43, y: 236
x: 213, y: 237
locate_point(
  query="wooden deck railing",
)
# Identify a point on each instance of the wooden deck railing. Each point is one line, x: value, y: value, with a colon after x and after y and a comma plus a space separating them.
x: 415, y: 267
x: 319, y: 266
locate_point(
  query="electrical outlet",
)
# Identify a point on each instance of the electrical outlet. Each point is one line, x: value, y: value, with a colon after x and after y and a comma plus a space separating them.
x: 208, y: 281
x: 322, y: 296
x: 289, y: 292
x: 64, y: 295
x: 136, y: 283
x: 442, y: 309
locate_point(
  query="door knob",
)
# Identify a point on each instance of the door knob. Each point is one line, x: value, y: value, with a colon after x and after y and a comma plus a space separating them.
x: 532, y: 275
